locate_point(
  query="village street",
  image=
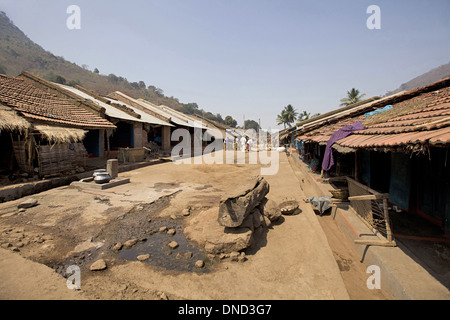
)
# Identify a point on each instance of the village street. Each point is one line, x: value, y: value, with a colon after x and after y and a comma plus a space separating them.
x: 292, y: 259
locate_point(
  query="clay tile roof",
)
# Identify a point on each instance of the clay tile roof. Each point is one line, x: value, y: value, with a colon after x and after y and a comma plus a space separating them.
x: 37, y: 104
x: 423, y: 119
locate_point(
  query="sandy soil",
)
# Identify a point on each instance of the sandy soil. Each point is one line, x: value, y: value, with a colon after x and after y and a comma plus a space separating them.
x: 73, y: 226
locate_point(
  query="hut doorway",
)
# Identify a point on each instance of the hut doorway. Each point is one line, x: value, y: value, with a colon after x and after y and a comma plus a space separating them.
x: 92, y: 143
x: 7, y: 164
x: 122, y: 137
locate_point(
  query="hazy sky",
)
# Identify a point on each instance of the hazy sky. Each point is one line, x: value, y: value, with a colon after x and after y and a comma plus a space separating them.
x: 247, y: 57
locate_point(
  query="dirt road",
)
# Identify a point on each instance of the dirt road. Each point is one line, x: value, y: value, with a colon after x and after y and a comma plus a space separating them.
x: 72, y: 226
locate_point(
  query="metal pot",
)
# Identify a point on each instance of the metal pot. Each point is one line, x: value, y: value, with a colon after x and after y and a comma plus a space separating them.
x: 99, y: 171
x: 102, y: 177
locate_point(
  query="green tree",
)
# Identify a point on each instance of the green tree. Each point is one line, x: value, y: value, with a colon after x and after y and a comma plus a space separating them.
x: 113, y: 78
x: 287, y: 116
x: 96, y: 71
x: 190, y: 108
x: 229, y: 121
x: 353, y: 96
x: 304, y: 116
x: 251, y: 124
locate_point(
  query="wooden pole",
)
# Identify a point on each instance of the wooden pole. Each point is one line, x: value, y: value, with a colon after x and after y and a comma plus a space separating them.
x: 386, y: 219
x: 357, y: 156
x: 107, y: 145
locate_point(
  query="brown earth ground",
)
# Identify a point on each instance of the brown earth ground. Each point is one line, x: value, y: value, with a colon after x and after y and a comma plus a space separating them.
x: 292, y: 260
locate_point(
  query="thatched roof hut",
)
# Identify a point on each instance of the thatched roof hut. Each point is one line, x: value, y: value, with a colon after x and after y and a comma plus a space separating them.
x: 11, y: 121
x: 56, y: 134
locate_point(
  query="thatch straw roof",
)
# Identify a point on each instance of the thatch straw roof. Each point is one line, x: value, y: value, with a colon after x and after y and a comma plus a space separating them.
x: 10, y: 120
x: 55, y: 134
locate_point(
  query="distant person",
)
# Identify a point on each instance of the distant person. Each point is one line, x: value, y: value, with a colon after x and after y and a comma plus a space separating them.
x: 243, y: 144
x: 250, y: 144
x: 226, y: 143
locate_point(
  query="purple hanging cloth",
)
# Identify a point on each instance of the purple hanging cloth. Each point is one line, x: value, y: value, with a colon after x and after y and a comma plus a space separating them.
x: 328, y: 161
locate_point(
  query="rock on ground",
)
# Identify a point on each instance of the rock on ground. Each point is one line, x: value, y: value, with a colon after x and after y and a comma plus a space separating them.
x: 205, y: 230
x: 233, y: 210
x: 270, y: 209
x: 98, y: 265
x: 28, y: 203
x: 143, y: 257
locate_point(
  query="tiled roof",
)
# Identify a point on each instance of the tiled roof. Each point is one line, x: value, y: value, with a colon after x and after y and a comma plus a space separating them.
x: 422, y: 119
x: 37, y: 104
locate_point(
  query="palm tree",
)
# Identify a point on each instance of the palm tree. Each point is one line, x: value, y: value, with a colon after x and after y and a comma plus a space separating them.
x: 287, y: 116
x: 353, y: 96
x: 304, y: 116
x: 281, y: 119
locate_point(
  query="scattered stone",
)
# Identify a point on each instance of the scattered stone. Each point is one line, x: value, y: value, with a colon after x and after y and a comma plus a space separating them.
x: 130, y: 243
x: 199, y: 263
x: 173, y: 217
x: 179, y: 256
x: 234, y: 256
x: 270, y: 209
x: 223, y: 256
x: 173, y: 244
x: 22, y: 210
x: 118, y: 246
x: 98, y: 265
x: 163, y: 296
x: 186, y: 212
x: 171, y: 232
x: 163, y: 229
x: 28, y: 203
x: 6, y: 245
x: 242, y: 257
x: 143, y: 257
x: 188, y: 255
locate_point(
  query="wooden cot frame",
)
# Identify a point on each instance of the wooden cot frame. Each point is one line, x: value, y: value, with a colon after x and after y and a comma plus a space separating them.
x: 371, y: 195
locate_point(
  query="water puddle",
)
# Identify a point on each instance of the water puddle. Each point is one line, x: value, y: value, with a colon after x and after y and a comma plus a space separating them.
x: 181, y: 258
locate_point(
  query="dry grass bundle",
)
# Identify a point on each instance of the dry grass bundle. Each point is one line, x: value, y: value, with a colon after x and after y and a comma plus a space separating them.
x: 55, y: 134
x: 10, y: 120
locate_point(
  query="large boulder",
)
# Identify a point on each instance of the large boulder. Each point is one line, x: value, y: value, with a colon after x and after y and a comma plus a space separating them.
x: 270, y: 209
x: 234, y: 209
x: 205, y: 230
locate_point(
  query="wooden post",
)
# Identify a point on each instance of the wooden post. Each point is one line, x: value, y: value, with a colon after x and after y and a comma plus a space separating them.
x: 357, y: 167
x: 386, y: 218
x: 108, y: 149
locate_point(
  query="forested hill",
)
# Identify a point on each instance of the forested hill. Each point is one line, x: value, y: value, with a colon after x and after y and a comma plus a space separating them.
x: 429, y: 77
x: 19, y: 53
